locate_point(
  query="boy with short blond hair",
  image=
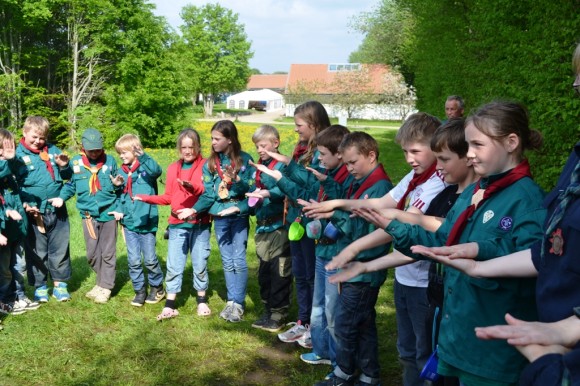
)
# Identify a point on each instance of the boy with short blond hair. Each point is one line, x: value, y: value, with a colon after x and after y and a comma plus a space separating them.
x: 41, y: 171
x: 272, y: 244
x: 140, y: 219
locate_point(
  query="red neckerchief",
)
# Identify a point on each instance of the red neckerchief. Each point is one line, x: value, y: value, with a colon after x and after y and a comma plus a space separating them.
x: 376, y: 175
x: 43, y: 156
x: 219, y: 169
x: 130, y: 171
x: 339, y: 176
x: 517, y: 173
x: 94, y: 183
x: 300, y: 149
x: 417, y: 180
x: 271, y: 165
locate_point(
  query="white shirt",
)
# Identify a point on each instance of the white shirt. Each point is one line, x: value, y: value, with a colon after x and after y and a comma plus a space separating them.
x: 417, y: 274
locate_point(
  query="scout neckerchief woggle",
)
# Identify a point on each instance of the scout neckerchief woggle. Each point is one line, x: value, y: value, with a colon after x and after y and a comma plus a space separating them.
x: 226, y: 183
x: 94, y: 183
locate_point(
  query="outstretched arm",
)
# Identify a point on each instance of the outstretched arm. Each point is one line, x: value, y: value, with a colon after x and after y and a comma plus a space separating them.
x: 372, y: 240
x: 393, y: 259
x: 460, y: 257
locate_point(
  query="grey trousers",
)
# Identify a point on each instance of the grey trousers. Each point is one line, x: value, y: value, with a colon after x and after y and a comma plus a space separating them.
x: 102, y: 251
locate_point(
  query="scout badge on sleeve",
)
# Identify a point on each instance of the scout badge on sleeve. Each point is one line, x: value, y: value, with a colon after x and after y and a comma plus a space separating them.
x: 296, y: 230
x: 89, y: 223
x: 557, y: 242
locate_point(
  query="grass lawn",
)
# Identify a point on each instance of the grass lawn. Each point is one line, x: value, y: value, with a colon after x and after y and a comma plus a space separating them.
x: 83, y: 343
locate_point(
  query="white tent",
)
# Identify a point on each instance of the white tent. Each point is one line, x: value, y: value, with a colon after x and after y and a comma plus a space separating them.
x: 264, y: 99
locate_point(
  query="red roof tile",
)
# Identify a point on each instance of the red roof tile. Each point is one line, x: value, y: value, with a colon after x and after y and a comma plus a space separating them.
x: 258, y: 82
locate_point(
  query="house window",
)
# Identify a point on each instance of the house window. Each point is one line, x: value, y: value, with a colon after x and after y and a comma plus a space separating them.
x: 343, y: 67
x: 241, y: 105
x: 232, y: 104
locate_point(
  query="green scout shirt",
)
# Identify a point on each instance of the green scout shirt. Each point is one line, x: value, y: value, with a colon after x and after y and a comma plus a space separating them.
x: 96, y: 205
x: 14, y: 230
x: 270, y: 213
x: 353, y: 228
x: 332, y: 190
x: 210, y: 201
x: 509, y: 221
x: 299, y: 183
x: 34, y: 178
x: 139, y: 216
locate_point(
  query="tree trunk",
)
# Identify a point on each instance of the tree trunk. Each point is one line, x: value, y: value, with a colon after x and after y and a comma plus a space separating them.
x: 208, y: 105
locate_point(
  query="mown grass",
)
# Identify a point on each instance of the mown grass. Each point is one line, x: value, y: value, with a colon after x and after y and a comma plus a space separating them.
x: 82, y: 343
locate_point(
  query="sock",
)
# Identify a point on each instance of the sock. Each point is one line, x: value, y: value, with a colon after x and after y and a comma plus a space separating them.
x: 170, y: 303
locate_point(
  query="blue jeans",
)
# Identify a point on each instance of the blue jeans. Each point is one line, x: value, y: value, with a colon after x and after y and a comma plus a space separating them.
x: 322, y: 319
x: 142, y: 244
x: 356, y: 333
x: 48, y: 253
x: 196, y: 242
x: 232, y: 236
x: 413, y: 343
x: 303, y: 267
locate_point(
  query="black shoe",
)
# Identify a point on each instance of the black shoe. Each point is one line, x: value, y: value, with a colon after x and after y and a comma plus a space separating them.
x: 335, y: 381
x: 262, y: 320
x: 155, y: 295
x: 273, y: 325
x: 139, y: 298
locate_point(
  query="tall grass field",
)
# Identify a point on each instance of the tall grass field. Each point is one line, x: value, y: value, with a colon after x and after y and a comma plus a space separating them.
x: 83, y: 343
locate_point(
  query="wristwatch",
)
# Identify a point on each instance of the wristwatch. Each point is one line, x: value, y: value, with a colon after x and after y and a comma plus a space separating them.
x: 577, y: 311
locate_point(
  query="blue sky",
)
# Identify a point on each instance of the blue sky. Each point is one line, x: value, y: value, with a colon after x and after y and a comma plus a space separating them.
x: 288, y: 31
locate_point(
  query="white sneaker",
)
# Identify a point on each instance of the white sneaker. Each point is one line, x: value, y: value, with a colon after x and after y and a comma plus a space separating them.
x: 92, y: 294
x: 103, y: 296
x: 294, y: 333
x: 226, y: 312
x: 26, y: 304
x: 305, y: 340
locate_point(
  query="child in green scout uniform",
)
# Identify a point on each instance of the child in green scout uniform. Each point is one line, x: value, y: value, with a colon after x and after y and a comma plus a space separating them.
x: 272, y: 245
x: 310, y: 118
x: 139, y: 219
x: 500, y: 214
x: 355, y: 328
x: 227, y: 177
x: 448, y: 144
x: 40, y: 172
x: 97, y: 185
x: 16, y: 226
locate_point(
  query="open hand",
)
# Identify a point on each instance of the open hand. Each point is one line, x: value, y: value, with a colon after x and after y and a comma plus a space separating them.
x: 185, y: 213
x: 61, y: 160
x: 186, y: 184
x: 319, y: 176
x: 348, y: 272
x: 57, y: 202
x: 118, y: 180
x: 118, y: 215
x: 9, y: 149
x: 13, y: 214
x: 279, y: 157
x: 374, y: 216
x: 276, y: 174
x: 229, y: 211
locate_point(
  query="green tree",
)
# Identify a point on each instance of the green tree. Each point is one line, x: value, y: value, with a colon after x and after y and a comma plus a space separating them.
x: 388, y: 37
x: 217, y: 50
